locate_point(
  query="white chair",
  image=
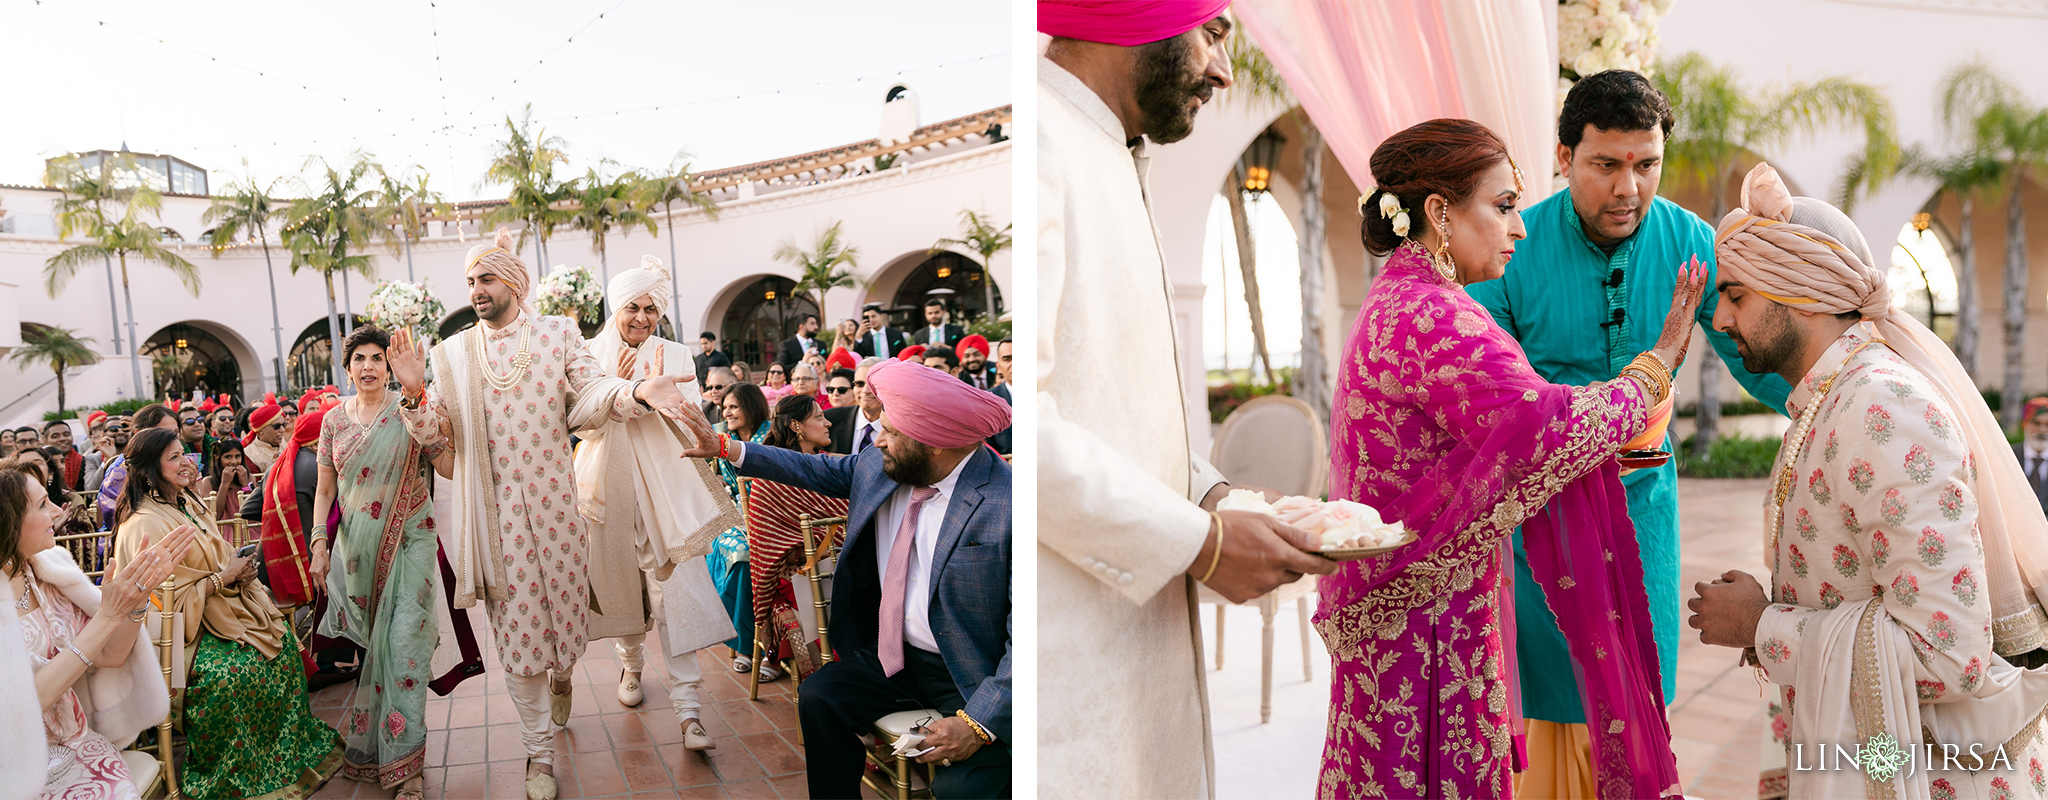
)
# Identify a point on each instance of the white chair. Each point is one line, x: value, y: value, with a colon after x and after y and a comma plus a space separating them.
x: 1275, y: 442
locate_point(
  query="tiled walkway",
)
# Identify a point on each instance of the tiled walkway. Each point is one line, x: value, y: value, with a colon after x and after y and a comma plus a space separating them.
x: 1717, y: 719
x: 473, y: 748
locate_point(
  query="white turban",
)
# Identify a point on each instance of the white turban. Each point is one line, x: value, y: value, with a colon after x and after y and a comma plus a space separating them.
x: 649, y: 279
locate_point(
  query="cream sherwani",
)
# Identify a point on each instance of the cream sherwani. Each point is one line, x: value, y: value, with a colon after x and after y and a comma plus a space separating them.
x: 1120, y: 656
x: 1881, y: 620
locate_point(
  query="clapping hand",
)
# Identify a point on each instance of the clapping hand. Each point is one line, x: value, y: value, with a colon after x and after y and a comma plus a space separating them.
x: 127, y: 590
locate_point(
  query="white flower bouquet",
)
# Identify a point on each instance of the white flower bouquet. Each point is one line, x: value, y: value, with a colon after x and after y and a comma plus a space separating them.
x: 399, y: 305
x: 1342, y: 524
x: 1599, y: 35
x: 569, y: 292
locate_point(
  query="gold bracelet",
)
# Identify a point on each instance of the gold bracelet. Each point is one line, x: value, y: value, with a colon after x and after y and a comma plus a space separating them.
x: 1215, y: 557
x: 978, y: 730
x: 1655, y: 388
x: 1660, y: 360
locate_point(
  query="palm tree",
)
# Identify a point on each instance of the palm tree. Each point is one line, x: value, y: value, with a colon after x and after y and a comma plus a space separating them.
x: 247, y: 207
x: 120, y: 239
x: 1966, y: 175
x: 1978, y: 103
x: 981, y: 236
x: 666, y: 190
x: 526, y: 161
x: 603, y: 205
x: 332, y: 227
x: 404, y: 203
x: 82, y: 207
x: 1719, y: 121
x: 60, y: 348
x: 819, y: 266
x: 1259, y: 82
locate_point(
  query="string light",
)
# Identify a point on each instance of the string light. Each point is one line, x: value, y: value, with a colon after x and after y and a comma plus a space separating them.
x: 542, y: 60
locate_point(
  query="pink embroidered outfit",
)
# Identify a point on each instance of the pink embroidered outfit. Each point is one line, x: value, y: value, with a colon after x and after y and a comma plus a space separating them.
x: 83, y: 764
x: 1440, y: 422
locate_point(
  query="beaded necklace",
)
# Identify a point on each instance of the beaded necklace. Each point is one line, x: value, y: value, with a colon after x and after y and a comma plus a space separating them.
x: 1775, y: 522
x: 520, y: 360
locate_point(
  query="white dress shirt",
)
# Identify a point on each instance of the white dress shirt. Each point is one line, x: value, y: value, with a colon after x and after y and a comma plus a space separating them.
x: 917, y: 596
x: 2027, y: 461
x: 861, y: 424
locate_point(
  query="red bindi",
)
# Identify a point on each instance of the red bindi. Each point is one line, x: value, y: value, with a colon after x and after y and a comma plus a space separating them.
x: 1631, y: 155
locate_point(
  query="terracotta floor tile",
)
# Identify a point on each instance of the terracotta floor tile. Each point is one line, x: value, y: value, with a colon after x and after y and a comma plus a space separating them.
x: 732, y: 762
x: 715, y: 724
x: 781, y: 714
x: 598, y: 774
x: 500, y: 710
x: 583, y: 735
x: 775, y: 755
x: 505, y: 744
x: 508, y: 778
x: 744, y: 718
x: 338, y: 788
x: 468, y: 781
x: 644, y: 770
x: 791, y: 787
x: 627, y: 731
x: 689, y: 767
x: 465, y: 746
x: 465, y: 712
x: 750, y: 789
x: 690, y: 793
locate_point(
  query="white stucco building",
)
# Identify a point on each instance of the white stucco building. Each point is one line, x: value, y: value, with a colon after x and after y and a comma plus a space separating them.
x: 726, y: 278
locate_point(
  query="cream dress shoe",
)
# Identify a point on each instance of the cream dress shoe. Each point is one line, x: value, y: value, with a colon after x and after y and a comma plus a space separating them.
x: 694, y: 737
x: 630, y: 694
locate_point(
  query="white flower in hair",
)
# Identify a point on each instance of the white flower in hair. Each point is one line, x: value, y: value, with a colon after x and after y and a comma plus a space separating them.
x: 1401, y: 223
x: 1389, y: 204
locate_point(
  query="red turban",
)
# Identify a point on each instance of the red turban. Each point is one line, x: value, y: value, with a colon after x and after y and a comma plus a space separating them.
x: 313, y: 400
x: 261, y: 417
x: 1125, y: 23
x: 206, y: 406
x: 911, y: 352
x: 94, y: 418
x: 2035, y: 406
x: 934, y: 408
x: 840, y: 359
x: 172, y: 404
x: 975, y: 342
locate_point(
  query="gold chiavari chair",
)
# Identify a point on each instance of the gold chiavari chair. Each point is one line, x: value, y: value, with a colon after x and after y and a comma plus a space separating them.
x: 167, y: 653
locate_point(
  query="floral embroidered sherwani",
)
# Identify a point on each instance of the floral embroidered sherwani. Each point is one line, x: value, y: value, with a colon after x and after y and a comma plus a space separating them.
x: 538, y: 610
x: 1882, y: 507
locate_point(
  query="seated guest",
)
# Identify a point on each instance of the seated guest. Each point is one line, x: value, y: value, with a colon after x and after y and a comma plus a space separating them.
x: 1001, y: 441
x: 941, y: 358
x: 838, y: 388
x: 741, y: 373
x: 267, y: 431
x: 716, y: 382
x: 65, y: 460
x: 856, y: 422
x: 94, y: 672
x: 229, y: 478
x: 97, y: 424
x: 803, y: 382
x: 154, y: 415
x: 921, y: 601
x: 36, y: 462
x: 746, y: 417
x: 244, y: 680
x: 777, y: 383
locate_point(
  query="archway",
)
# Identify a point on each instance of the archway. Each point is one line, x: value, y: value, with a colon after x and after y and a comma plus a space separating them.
x: 760, y: 315
x: 958, y: 280
x: 184, y: 358
x: 1922, y: 275
x: 311, y: 361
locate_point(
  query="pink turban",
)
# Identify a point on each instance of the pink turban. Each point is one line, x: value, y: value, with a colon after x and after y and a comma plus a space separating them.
x: 934, y: 408
x: 1125, y: 23
x: 498, y: 259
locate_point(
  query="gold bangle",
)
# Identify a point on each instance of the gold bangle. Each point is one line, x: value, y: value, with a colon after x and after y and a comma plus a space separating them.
x: 1660, y: 360
x: 978, y: 730
x: 1215, y: 557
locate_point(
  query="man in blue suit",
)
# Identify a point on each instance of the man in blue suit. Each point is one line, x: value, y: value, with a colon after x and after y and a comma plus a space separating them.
x: 921, y: 597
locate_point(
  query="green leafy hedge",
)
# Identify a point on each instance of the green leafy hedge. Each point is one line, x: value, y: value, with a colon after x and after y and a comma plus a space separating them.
x: 113, y: 409
x: 1227, y: 396
x: 1732, y: 456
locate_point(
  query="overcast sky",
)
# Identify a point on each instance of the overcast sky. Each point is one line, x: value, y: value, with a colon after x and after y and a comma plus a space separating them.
x: 74, y: 84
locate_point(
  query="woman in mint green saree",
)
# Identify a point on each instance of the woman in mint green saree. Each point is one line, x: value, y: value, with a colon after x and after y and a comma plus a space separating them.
x: 382, y: 595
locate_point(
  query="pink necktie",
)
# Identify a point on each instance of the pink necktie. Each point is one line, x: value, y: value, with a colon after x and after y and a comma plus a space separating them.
x: 889, y: 644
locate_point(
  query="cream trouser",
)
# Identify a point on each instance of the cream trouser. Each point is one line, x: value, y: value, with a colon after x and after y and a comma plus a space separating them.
x: 536, y: 728
x: 685, y: 676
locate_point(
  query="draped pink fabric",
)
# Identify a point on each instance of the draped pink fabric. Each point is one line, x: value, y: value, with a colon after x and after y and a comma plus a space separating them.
x: 1442, y: 424
x: 1363, y: 70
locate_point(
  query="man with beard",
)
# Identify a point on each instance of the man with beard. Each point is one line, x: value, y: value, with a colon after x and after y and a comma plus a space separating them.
x: 1588, y: 290
x: 509, y: 391
x: 1904, y: 596
x: 267, y: 429
x: 921, y: 597
x: 1135, y: 526
x: 65, y: 459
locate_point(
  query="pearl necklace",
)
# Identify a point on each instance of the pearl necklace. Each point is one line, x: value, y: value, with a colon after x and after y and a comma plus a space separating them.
x: 520, y: 360
x: 1775, y: 523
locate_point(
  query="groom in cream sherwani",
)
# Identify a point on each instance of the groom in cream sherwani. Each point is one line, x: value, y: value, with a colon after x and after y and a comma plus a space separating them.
x: 1133, y: 525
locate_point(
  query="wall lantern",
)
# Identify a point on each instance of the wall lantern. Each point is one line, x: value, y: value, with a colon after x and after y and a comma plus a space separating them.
x: 770, y: 295
x: 945, y: 272
x: 1255, y: 167
x: 181, y: 344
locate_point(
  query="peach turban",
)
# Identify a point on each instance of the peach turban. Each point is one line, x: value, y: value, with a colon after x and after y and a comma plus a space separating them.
x: 1806, y: 254
x: 934, y: 408
x: 498, y: 259
x: 1125, y: 23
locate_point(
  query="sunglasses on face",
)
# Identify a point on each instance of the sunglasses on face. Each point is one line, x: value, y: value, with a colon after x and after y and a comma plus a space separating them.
x: 838, y: 389
x: 717, y: 387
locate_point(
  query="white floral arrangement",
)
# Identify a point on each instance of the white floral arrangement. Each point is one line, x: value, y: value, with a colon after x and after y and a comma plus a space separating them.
x: 1342, y: 524
x: 399, y: 305
x: 1599, y: 35
x: 568, y: 291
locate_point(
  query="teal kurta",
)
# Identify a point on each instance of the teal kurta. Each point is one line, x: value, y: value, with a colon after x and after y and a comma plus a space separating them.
x: 1557, y: 293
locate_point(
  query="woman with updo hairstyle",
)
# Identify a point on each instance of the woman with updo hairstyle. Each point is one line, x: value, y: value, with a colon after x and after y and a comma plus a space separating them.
x: 249, y: 729
x: 1440, y: 424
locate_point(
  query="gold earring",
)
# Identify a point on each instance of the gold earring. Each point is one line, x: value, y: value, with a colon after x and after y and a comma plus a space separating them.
x: 1440, y: 258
